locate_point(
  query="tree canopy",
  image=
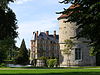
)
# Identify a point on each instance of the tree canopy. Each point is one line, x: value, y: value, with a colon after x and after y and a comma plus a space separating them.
x: 87, y: 17
x: 4, y: 3
x: 8, y: 27
x: 8, y: 23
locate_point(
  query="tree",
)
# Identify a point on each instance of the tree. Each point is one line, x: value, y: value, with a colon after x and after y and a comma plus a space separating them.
x: 68, y: 49
x: 4, y: 3
x: 87, y: 17
x: 6, y: 46
x: 23, y: 57
x: 8, y: 27
x: 8, y: 23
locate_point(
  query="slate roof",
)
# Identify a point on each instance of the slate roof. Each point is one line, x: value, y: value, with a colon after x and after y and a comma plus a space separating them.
x: 43, y: 35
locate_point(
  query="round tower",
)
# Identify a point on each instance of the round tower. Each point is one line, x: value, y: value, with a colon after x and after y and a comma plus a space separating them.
x: 67, y: 31
x: 79, y: 53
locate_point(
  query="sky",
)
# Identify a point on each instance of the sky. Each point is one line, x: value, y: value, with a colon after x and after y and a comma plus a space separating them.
x: 36, y: 15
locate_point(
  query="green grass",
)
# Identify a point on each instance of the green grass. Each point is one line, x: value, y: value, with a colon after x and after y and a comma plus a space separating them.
x: 19, y: 71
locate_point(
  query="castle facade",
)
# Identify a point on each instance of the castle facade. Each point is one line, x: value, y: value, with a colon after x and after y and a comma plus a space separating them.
x: 44, y: 45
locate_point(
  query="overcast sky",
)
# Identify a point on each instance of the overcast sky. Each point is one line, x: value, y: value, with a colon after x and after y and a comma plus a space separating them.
x: 36, y: 15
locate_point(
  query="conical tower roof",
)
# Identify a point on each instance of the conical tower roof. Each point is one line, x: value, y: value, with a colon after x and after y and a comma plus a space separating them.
x: 66, y: 15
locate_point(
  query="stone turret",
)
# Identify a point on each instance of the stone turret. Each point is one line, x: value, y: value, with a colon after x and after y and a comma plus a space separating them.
x: 80, y: 52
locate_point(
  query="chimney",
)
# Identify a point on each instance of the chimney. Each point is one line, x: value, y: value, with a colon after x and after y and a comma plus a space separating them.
x: 36, y: 34
x: 54, y: 34
x: 33, y: 36
x: 47, y: 33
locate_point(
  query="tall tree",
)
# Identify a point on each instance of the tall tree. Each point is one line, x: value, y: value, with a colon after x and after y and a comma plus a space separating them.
x: 4, y: 3
x: 87, y: 17
x: 23, y: 57
x: 8, y: 27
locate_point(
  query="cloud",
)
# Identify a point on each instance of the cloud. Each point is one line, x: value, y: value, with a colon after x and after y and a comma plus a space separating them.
x: 22, y: 1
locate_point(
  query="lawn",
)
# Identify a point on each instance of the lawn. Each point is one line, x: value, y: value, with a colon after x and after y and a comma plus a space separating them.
x: 19, y: 71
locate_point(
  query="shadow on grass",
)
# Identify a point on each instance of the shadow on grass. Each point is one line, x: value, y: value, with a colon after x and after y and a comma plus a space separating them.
x: 65, y: 73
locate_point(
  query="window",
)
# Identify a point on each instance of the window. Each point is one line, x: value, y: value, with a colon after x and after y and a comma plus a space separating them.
x: 78, y: 54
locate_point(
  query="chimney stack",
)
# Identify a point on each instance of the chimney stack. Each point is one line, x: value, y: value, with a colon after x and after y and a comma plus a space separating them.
x: 47, y: 33
x: 36, y: 34
x: 55, y: 34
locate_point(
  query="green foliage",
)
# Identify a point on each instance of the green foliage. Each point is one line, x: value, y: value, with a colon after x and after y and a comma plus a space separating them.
x: 68, y: 46
x: 6, y: 45
x: 11, y: 54
x: 2, y: 65
x: 69, y: 43
x: 92, y: 53
x: 8, y: 29
x: 8, y: 24
x: 87, y: 17
x: 42, y: 58
x: 4, y: 3
x: 23, y: 57
x: 52, y: 62
x: 2, y: 55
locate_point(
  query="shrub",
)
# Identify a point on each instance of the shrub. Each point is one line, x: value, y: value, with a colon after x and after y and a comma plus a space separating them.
x: 42, y: 58
x: 51, y: 62
x: 20, y: 60
x: 2, y: 65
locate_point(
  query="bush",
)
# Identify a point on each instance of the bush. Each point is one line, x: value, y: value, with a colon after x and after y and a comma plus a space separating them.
x: 2, y: 65
x: 51, y: 62
x: 42, y: 58
x: 20, y: 60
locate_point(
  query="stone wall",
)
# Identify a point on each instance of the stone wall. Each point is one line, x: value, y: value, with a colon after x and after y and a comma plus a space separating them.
x: 68, y: 30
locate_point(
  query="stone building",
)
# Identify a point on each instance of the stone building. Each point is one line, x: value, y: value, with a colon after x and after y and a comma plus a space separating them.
x: 44, y: 45
x: 79, y: 54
